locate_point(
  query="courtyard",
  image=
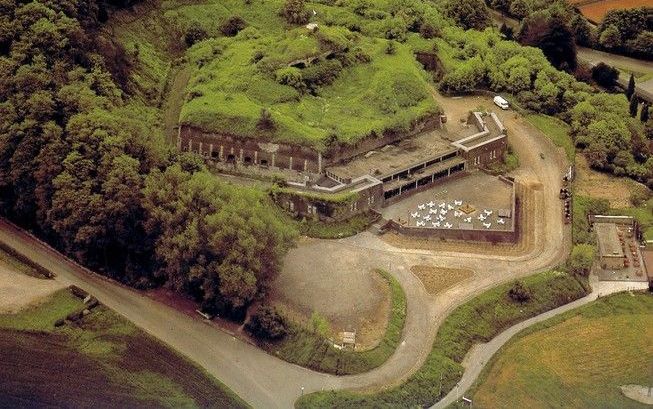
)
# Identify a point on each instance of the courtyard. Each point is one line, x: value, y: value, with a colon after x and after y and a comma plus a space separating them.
x: 477, y: 201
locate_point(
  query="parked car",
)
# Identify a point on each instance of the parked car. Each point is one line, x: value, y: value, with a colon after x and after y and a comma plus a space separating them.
x: 500, y: 102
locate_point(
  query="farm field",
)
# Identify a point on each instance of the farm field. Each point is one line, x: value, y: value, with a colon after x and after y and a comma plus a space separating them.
x: 595, y: 11
x: 577, y: 360
x: 103, y: 358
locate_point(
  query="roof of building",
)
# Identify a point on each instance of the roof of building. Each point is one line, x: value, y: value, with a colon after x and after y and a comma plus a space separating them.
x: 609, y: 244
x: 489, y: 129
x: 397, y: 157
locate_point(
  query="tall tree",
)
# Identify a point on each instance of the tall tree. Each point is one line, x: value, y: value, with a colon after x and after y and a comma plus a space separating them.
x: 644, y: 115
x: 630, y: 90
x: 634, y: 104
x: 552, y: 34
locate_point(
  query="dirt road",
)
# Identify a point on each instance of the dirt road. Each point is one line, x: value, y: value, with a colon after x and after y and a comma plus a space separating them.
x: 267, y: 382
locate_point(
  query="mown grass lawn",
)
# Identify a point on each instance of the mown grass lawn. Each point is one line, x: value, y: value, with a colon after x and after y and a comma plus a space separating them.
x: 306, y: 348
x: 478, y: 320
x: 103, y: 361
x: 576, y: 360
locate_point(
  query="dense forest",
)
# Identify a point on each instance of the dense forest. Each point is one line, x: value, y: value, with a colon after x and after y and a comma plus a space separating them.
x: 85, y: 166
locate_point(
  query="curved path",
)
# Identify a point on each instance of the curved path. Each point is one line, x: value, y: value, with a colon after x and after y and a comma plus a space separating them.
x: 481, y: 354
x: 267, y: 382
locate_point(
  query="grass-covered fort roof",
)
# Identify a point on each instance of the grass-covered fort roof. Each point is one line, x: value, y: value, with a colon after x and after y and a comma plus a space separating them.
x: 317, y: 87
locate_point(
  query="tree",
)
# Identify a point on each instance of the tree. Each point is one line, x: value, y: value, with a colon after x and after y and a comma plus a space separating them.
x: 519, y: 8
x: 582, y: 31
x: 630, y: 90
x: 634, y: 105
x: 267, y: 323
x: 519, y: 293
x: 553, y: 36
x: 610, y: 38
x: 469, y: 14
x: 605, y: 75
x: 581, y: 259
x: 294, y: 11
x: 507, y: 32
x: 644, y: 115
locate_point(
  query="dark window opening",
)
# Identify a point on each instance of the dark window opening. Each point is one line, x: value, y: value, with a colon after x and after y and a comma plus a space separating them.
x: 264, y: 162
x: 424, y: 181
x: 248, y: 160
x: 391, y: 193
x: 231, y: 157
x: 214, y: 154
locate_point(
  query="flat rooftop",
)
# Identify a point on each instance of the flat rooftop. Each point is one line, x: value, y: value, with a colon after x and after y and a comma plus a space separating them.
x: 397, y: 157
x: 481, y: 130
x: 609, y: 244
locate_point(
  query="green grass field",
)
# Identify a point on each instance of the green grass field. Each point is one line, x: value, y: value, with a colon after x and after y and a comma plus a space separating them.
x: 556, y: 130
x: 478, y: 320
x: 306, y: 348
x: 576, y: 360
x: 100, y: 361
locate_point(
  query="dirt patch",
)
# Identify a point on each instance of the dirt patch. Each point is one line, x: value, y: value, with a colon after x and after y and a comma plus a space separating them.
x: 601, y: 185
x: 18, y: 291
x: 337, y: 283
x: 438, y: 279
x: 638, y: 392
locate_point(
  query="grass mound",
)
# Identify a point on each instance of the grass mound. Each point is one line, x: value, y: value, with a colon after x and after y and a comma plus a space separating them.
x: 101, y: 360
x: 576, y: 360
x: 322, y: 87
x: 312, y: 350
x: 478, y: 320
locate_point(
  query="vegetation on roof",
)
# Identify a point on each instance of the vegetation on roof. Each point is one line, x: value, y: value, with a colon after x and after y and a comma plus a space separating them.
x: 330, y: 85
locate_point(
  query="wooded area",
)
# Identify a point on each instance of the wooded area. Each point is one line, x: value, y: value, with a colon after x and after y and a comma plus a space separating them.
x: 85, y: 165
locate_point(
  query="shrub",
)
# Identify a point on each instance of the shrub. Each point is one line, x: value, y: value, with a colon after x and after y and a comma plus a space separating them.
x: 391, y: 48
x: 232, y: 26
x: 294, y: 11
x: 265, y: 121
x: 194, y: 34
x: 267, y: 323
x: 290, y: 76
x: 581, y: 259
x: 639, y: 195
x: 605, y: 75
x: 519, y: 293
x: 319, y: 324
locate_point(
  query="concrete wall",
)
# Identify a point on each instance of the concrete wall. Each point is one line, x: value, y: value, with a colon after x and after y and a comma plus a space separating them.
x: 302, y: 206
x: 342, y: 153
x: 486, y: 154
x: 223, y: 147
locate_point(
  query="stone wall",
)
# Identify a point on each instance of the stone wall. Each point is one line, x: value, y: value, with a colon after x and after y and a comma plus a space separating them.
x: 486, y: 154
x: 229, y: 148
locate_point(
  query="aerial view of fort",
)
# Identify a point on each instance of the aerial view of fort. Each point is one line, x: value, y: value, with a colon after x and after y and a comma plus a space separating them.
x: 348, y: 204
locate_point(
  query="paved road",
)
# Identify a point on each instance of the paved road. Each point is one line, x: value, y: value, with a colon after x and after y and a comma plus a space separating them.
x: 267, y: 382
x: 481, y: 354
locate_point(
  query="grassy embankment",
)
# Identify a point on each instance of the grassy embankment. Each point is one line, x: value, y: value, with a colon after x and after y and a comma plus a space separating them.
x: 339, y: 229
x: 576, y: 360
x: 556, y: 130
x: 312, y: 350
x: 101, y: 360
x: 478, y: 320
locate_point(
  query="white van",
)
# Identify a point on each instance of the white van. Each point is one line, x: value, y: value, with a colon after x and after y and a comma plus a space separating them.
x: 500, y: 102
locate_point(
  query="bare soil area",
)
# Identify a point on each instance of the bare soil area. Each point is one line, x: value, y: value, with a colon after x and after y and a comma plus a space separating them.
x: 351, y: 296
x: 438, y: 279
x: 18, y: 291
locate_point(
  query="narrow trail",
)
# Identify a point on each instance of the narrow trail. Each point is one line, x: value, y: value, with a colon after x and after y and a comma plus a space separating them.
x: 265, y: 381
